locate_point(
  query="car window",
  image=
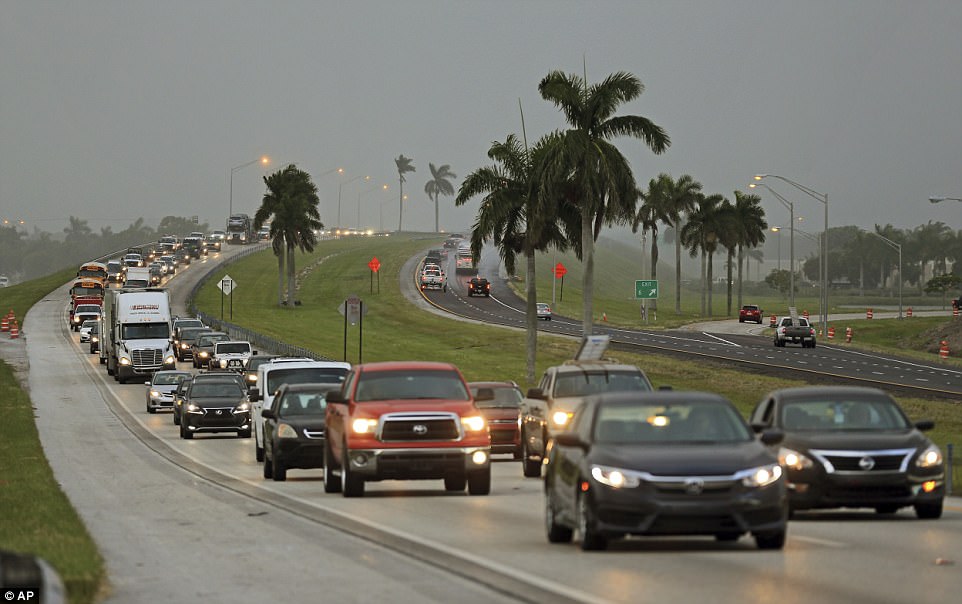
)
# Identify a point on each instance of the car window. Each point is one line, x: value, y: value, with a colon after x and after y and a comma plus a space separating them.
x: 216, y: 389
x: 643, y: 423
x: 161, y: 379
x: 415, y: 384
x: 504, y: 396
x: 843, y: 414
x: 304, y: 375
x: 302, y: 404
x: 587, y: 383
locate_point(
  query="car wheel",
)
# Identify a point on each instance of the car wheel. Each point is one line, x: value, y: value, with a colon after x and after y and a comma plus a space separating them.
x: 479, y: 482
x: 886, y: 509
x: 455, y: 483
x: 279, y: 471
x: 268, y: 469
x: 258, y: 449
x: 150, y: 409
x: 332, y: 483
x: 813, y: 344
x: 727, y: 537
x: 928, y: 511
x: 176, y: 417
x: 556, y: 533
x: 531, y: 468
x: 590, y: 539
x: 351, y: 483
x: 103, y: 361
x: 770, y: 540
x: 185, y: 433
x: 741, y: 320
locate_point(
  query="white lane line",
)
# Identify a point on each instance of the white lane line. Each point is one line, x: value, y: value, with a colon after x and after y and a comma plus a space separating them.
x: 817, y: 541
x: 918, y: 365
x: 729, y: 342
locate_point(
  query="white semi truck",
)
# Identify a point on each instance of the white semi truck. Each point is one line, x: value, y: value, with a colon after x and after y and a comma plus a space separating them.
x: 136, y: 334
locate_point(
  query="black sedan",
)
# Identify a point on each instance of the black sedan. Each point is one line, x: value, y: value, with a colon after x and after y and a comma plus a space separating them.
x: 294, y: 429
x: 215, y: 403
x: 663, y: 463
x: 853, y: 447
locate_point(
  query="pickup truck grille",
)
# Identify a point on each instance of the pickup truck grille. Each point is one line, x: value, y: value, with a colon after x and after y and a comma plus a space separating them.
x: 419, y: 427
x: 147, y: 357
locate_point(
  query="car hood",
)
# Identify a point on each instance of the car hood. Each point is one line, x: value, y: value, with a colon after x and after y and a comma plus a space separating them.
x: 299, y: 422
x: 217, y: 401
x: 378, y: 408
x: 165, y: 388
x: 669, y: 459
x: 855, y: 440
x: 490, y: 413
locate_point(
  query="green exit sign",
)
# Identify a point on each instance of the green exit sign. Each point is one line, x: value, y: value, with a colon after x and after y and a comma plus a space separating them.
x: 646, y: 290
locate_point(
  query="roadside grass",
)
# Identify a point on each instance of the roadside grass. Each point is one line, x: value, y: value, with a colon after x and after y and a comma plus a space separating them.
x: 915, y: 337
x: 37, y: 516
x: 20, y: 297
x: 394, y: 329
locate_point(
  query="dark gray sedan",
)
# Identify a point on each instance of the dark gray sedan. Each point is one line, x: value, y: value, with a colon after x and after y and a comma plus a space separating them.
x: 663, y: 463
x: 853, y: 447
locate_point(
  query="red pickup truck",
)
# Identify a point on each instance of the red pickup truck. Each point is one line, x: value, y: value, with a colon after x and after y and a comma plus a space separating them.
x: 405, y: 421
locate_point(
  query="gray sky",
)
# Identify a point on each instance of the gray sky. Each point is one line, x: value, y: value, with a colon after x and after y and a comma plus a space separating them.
x: 114, y: 110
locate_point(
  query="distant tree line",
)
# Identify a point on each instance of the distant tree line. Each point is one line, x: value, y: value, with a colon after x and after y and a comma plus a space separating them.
x: 26, y: 255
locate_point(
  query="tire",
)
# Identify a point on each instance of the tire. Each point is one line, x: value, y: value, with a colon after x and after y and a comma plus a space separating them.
x: 352, y: 484
x: 332, y: 483
x: 479, y: 482
x: 455, y: 483
x: 243, y: 434
x: 555, y: 532
x: 279, y: 471
x: 185, y: 433
x: 591, y: 541
x: 150, y: 409
x: 259, y: 450
x: 530, y: 468
x: 928, y: 511
x: 518, y: 453
x: 770, y: 540
x: 813, y: 344
x: 176, y: 417
x: 103, y: 361
x: 268, y: 469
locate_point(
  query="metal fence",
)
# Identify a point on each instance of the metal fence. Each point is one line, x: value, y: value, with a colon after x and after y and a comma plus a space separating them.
x: 258, y: 340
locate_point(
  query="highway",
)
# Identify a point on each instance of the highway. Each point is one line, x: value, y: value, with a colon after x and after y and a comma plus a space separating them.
x: 195, y: 521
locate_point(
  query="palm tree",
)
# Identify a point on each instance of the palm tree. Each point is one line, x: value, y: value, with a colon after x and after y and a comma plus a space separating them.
x: 749, y: 218
x: 290, y: 203
x: 512, y: 215
x: 584, y: 168
x: 403, y: 166
x: 700, y: 236
x: 437, y: 186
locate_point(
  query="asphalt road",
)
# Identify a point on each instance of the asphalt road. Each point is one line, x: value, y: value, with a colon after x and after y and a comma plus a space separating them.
x: 195, y: 521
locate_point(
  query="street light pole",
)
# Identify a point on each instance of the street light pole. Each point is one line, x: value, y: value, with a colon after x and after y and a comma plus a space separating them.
x: 898, y: 247
x: 822, y: 198
x: 339, y: 188
x: 263, y: 160
x: 791, y: 243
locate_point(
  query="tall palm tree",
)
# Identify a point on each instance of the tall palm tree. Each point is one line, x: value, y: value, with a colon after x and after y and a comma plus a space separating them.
x: 585, y: 169
x: 512, y: 214
x: 437, y: 186
x: 700, y: 237
x: 290, y: 203
x: 749, y: 218
x: 404, y: 166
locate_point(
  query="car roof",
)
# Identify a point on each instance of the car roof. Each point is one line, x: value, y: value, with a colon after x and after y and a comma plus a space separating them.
x: 666, y: 397
x: 405, y: 366
x: 311, y: 387
x: 581, y: 366
x: 493, y: 385
x: 806, y: 392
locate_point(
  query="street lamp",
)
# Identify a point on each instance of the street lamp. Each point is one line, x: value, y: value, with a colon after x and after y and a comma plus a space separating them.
x: 791, y: 241
x: 823, y: 198
x: 263, y: 160
x: 359, y: 194
x: 937, y: 199
x: 898, y: 247
x: 339, y: 188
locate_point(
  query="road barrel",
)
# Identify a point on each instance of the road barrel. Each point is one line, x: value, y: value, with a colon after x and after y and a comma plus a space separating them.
x: 5, y: 323
x: 773, y: 320
x: 908, y: 312
x: 868, y: 314
x: 944, y: 350
x: 848, y: 335
x: 831, y: 333
x: 955, y: 311
x: 14, y: 330
x: 805, y: 314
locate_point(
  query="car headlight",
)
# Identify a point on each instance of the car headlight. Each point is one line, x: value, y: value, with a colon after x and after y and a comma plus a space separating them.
x: 192, y: 408
x: 169, y: 360
x: 794, y: 460
x: 929, y: 458
x: 243, y: 407
x: 223, y: 363
x: 203, y: 354
x: 614, y: 478
x: 124, y: 361
x: 286, y: 431
x: 184, y: 346
x: 252, y: 377
x: 94, y: 339
x: 475, y: 423
x: 761, y: 476
x: 364, y: 426
x: 560, y: 419
x: 154, y: 394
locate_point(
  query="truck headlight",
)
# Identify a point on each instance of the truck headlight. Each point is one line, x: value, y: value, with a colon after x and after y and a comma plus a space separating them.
x: 286, y: 431
x: 364, y: 426
x: 929, y: 458
x: 223, y: 363
x: 560, y: 419
x: 169, y: 360
x: 124, y: 361
x: 474, y: 423
x: 203, y: 354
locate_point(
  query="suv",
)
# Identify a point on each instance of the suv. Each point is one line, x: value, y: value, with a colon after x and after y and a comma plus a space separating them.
x: 215, y: 403
x: 405, y: 421
x: 479, y: 286
x: 750, y: 312
x: 232, y: 355
x: 549, y: 408
x: 294, y: 429
x: 203, y: 347
x: 287, y: 370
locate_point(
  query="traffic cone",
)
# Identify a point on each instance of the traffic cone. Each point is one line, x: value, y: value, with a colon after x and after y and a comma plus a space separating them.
x: 908, y: 312
x: 944, y: 350
x: 14, y: 330
x: 831, y: 333
x: 5, y: 323
x: 604, y: 317
x: 868, y: 314
x: 848, y: 335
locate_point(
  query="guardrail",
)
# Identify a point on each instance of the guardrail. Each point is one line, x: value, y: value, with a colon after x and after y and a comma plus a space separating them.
x: 257, y: 340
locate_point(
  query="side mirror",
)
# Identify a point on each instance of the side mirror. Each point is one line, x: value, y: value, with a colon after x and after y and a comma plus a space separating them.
x: 757, y: 427
x: 537, y: 393
x: 335, y: 396
x: 570, y: 439
x: 254, y: 394
x: 254, y: 353
x: 268, y: 414
x: 772, y: 436
x: 147, y: 384
x: 924, y: 425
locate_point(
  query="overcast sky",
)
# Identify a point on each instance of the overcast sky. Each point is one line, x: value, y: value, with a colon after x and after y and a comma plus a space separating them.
x: 114, y: 110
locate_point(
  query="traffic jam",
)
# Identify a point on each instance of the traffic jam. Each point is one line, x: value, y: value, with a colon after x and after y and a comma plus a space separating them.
x: 617, y: 456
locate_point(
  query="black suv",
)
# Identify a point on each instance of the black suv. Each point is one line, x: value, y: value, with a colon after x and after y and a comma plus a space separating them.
x: 294, y: 428
x: 479, y: 286
x: 215, y: 402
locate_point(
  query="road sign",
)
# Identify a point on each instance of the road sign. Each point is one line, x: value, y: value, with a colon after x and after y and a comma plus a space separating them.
x: 374, y: 264
x: 646, y: 290
x: 560, y: 271
x: 227, y: 285
x: 352, y: 309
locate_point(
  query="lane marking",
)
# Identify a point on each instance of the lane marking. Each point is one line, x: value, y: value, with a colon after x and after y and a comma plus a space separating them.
x: 817, y: 541
x: 729, y: 342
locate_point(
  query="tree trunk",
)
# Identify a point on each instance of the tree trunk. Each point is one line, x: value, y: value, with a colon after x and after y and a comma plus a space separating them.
x: 531, y: 318
x: 704, y: 286
x: 709, y: 281
x: 588, y: 277
x: 280, y: 278
x: 728, y: 282
x: 437, y: 224
x: 678, y: 266
x: 400, y: 202
x: 290, y: 275
x: 741, y: 265
x: 653, y: 304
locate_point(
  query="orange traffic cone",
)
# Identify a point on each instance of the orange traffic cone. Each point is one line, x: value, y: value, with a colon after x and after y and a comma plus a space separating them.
x: 604, y: 317
x: 944, y: 350
x: 831, y: 333
x: 5, y: 323
x: 14, y: 330
x: 848, y: 335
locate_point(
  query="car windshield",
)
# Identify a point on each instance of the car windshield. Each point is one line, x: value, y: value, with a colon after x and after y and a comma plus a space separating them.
x: 187, y: 323
x: 695, y: 422
x: 594, y: 382
x: 88, y: 325
x: 88, y: 308
x: 234, y: 347
x: 211, y: 340
x: 843, y: 414
x: 504, y: 396
x: 302, y: 404
x: 165, y: 379
x: 304, y: 375
x: 145, y: 331
x: 410, y: 384
x: 212, y: 389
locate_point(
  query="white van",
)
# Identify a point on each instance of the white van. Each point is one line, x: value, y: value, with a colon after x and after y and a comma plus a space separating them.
x: 288, y: 370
